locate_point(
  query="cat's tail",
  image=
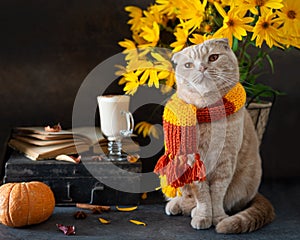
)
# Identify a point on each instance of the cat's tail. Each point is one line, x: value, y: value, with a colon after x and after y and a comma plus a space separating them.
x: 259, y: 213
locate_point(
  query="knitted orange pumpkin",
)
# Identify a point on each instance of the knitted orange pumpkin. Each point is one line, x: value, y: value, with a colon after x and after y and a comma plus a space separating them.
x: 25, y: 203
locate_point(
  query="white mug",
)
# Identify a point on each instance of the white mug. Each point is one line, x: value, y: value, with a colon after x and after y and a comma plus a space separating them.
x: 116, y: 120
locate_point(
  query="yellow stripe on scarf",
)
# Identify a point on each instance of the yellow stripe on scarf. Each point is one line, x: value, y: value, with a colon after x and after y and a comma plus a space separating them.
x: 179, y: 113
x: 237, y: 96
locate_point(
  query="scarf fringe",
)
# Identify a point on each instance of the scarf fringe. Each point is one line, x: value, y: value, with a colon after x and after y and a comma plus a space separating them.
x: 178, y: 171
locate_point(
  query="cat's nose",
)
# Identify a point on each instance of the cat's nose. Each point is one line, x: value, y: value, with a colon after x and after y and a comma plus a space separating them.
x: 202, y: 68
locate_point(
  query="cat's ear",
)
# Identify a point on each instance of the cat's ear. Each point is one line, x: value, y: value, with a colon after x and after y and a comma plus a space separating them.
x: 224, y: 42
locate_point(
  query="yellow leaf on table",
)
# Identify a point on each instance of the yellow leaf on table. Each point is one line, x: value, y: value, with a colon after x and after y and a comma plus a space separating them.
x: 104, y: 221
x: 137, y: 222
x: 126, y: 209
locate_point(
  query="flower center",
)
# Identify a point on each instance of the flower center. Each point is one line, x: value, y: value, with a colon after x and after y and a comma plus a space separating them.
x: 265, y: 25
x: 260, y: 2
x: 230, y: 23
x: 207, y: 28
x: 291, y: 14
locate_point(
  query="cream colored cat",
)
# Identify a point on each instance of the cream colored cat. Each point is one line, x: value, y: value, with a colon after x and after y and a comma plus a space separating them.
x: 229, y: 197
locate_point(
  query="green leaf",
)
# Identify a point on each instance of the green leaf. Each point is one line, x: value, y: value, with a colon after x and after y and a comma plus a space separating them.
x: 261, y: 90
x: 247, y: 56
x: 235, y: 44
x: 218, y: 21
x: 270, y: 62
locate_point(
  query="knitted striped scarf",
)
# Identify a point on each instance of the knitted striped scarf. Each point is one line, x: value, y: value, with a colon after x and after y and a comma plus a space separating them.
x: 181, y: 163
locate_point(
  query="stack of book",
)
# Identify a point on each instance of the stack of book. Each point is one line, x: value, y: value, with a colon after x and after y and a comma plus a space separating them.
x: 38, y: 144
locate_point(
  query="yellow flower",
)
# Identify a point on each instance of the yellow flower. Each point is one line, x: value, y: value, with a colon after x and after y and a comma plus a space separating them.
x: 265, y: 30
x: 169, y: 83
x: 164, y: 71
x: 135, y: 13
x: 233, y: 24
x: 198, y: 38
x: 140, y: 70
x: 168, y: 7
x: 168, y: 190
x: 127, y: 44
x: 136, y: 63
x: 151, y: 35
x: 290, y: 16
x: 147, y: 129
x: 264, y: 5
x: 276, y: 22
x: 153, y: 76
x: 245, y: 5
x: 192, y: 12
x: 181, y: 35
x: 161, y: 62
x: 223, y: 3
x: 291, y: 41
x: 131, y: 82
x: 121, y: 71
x: 153, y: 15
x: 130, y: 49
x: 138, y: 39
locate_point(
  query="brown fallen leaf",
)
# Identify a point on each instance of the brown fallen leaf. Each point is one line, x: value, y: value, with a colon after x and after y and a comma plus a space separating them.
x: 80, y: 215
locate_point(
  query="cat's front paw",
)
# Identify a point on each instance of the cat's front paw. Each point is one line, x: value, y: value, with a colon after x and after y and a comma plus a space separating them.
x: 218, y: 219
x: 173, y: 207
x: 199, y: 221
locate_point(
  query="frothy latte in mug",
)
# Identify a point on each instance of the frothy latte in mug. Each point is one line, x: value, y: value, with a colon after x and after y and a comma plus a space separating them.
x: 113, y: 119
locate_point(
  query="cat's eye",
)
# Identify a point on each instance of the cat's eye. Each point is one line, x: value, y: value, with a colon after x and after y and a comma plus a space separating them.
x: 213, y: 57
x: 189, y: 65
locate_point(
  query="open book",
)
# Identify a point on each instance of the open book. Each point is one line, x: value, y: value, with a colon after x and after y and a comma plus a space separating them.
x: 37, y: 144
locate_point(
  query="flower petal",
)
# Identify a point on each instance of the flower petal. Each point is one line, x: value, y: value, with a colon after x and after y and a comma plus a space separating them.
x: 104, y: 221
x: 137, y: 222
x: 126, y: 209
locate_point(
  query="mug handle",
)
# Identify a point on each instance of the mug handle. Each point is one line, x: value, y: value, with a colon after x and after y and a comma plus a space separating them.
x: 130, y: 124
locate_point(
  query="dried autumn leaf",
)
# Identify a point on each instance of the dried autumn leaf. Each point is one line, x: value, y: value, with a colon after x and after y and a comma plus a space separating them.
x: 67, y: 230
x: 104, y: 221
x: 126, y: 209
x: 96, y: 210
x: 144, y: 196
x: 80, y: 215
x: 133, y: 158
x: 55, y: 128
x: 137, y: 222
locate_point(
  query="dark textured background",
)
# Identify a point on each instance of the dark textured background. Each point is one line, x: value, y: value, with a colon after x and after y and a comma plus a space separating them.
x: 47, y: 48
